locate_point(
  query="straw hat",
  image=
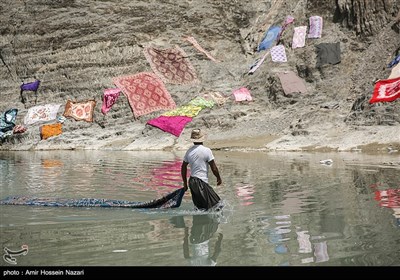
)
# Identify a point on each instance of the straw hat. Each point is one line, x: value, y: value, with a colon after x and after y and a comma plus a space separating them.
x: 197, y: 135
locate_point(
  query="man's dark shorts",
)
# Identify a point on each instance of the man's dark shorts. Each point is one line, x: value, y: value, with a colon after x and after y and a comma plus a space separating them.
x: 203, y: 195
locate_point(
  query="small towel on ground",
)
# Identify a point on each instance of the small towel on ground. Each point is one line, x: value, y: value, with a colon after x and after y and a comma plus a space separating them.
x: 291, y: 83
x: 299, y: 37
x: 328, y: 53
x: 278, y: 54
x: 316, y: 23
x: 242, y: 94
x: 19, y: 129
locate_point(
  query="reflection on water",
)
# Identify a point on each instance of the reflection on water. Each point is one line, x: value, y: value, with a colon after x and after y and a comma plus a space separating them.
x: 197, y: 247
x: 279, y: 232
x: 389, y: 198
x: 282, y: 209
x: 245, y: 194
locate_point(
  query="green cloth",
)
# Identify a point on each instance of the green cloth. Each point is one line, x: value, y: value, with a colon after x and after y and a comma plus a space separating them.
x: 201, y: 102
x: 186, y: 110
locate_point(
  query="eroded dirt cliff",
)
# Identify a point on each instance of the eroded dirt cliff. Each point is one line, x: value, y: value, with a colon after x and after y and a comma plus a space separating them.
x: 77, y: 47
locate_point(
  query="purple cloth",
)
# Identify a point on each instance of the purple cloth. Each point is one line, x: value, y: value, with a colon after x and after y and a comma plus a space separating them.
x: 170, y: 124
x: 31, y: 86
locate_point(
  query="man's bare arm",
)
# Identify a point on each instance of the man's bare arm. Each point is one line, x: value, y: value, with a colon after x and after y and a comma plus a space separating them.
x: 184, y: 174
x: 215, y: 171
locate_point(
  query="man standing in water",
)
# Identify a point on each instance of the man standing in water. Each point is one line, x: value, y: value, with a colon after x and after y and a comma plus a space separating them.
x: 199, y: 158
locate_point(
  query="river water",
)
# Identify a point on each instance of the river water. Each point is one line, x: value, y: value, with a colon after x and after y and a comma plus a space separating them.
x: 281, y: 209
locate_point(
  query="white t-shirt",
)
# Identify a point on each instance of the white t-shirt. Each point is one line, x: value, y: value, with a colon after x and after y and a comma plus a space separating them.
x: 198, y: 158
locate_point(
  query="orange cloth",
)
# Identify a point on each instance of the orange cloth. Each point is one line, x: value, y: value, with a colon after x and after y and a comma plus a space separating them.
x: 49, y: 130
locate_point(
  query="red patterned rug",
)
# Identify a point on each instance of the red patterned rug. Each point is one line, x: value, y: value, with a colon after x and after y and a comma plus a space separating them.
x: 171, y: 65
x: 146, y: 93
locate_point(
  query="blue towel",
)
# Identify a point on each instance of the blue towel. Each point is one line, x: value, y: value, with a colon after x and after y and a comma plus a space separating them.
x: 269, y: 38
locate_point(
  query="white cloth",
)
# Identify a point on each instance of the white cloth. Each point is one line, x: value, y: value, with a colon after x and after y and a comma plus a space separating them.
x: 198, y: 158
x: 395, y: 72
x: 299, y: 37
x: 278, y: 54
x: 316, y: 24
x: 42, y: 113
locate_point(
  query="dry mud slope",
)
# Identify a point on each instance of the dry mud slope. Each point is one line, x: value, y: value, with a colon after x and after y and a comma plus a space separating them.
x: 76, y: 47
